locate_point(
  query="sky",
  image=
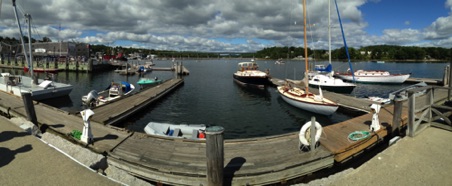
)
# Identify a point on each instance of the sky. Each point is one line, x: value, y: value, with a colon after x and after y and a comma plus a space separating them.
x: 233, y: 25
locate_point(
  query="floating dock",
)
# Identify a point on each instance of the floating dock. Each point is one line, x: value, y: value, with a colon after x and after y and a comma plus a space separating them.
x: 114, y: 112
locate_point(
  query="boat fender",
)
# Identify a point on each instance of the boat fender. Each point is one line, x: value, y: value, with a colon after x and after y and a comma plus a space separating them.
x: 201, y: 135
x: 304, y: 136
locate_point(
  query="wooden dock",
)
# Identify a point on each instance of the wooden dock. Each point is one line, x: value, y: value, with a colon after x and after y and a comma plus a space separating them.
x: 255, y: 161
x: 116, y: 111
x: 426, y: 80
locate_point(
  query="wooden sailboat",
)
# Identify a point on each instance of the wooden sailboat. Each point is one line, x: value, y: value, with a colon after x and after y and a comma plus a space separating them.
x: 323, y: 77
x: 304, y: 99
x: 368, y: 76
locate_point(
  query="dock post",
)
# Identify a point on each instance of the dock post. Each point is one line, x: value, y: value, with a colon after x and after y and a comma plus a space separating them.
x: 29, y: 108
x: 67, y: 63
x: 90, y: 65
x: 313, y: 130
x: 446, y: 75
x: 55, y: 62
x: 215, y: 155
x: 449, y: 81
x: 396, y: 119
x: 411, y: 116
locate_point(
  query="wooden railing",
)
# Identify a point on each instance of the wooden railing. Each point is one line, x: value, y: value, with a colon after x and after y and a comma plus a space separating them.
x: 426, y: 106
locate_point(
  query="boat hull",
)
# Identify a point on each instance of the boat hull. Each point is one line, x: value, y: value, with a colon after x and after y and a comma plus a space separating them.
x: 338, y: 89
x: 387, y: 79
x: 52, y: 90
x: 319, y: 108
x: 331, y: 84
x: 251, y: 80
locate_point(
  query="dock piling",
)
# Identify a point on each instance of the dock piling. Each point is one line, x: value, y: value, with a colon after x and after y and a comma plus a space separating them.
x: 215, y: 155
x: 29, y: 108
x: 312, y: 135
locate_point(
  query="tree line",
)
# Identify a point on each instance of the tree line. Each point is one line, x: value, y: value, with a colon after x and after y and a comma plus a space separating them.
x: 376, y: 52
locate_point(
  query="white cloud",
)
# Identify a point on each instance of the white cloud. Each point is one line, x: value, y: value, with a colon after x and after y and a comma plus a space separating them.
x: 199, y: 24
x: 401, y: 37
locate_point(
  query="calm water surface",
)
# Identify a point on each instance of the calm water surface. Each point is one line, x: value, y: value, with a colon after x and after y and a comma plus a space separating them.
x: 210, y: 96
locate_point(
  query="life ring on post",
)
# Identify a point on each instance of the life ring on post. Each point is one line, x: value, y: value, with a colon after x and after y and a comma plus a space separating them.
x: 304, y: 135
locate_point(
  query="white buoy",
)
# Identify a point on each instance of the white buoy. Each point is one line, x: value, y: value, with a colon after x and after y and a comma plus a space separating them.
x: 375, y: 125
x: 87, y: 135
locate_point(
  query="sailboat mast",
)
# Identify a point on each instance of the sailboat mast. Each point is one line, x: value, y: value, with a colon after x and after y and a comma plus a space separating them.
x: 305, y: 49
x: 345, y: 42
x: 329, y: 31
x: 20, y: 31
x: 28, y: 16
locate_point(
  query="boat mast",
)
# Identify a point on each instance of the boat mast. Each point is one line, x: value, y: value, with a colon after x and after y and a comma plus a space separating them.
x: 345, y: 42
x: 329, y: 31
x: 28, y: 16
x: 30, y: 61
x: 20, y: 31
x: 305, y: 49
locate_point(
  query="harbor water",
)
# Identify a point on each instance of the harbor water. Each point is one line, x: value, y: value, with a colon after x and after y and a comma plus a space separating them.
x: 210, y: 96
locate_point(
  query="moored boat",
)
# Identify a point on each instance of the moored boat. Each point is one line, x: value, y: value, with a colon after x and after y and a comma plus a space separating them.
x: 113, y: 92
x: 49, y: 70
x: 329, y: 83
x: 307, y: 101
x: 249, y: 75
x: 148, y: 82
x: 373, y: 76
x: 304, y: 99
x: 193, y: 131
x: 40, y: 89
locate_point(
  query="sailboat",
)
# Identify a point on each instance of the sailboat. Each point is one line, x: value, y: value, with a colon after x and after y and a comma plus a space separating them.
x: 368, y: 76
x: 39, y: 89
x: 304, y: 99
x: 323, y: 76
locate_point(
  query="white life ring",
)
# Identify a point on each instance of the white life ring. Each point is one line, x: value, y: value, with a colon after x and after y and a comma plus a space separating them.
x: 303, y: 130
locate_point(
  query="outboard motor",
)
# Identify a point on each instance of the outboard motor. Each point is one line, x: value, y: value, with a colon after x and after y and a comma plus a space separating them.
x: 90, y: 98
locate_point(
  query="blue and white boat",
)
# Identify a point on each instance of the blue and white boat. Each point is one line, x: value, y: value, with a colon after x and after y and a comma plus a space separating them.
x: 114, y: 92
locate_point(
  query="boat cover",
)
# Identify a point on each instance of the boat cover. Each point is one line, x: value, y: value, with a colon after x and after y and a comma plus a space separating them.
x: 127, y: 85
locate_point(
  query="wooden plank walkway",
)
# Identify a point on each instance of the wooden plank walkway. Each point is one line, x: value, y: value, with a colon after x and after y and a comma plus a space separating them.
x: 256, y: 161
x: 63, y: 123
x: 426, y: 80
x: 123, y: 108
x: 336, y: 140
x: 335, y: 137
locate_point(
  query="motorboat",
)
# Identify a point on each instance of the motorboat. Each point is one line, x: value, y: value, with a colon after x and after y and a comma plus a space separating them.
x: 249, y: 75
x: 114, y: 92
x: 193, y: 131
x: 330, y: 83
x: 149, y: 82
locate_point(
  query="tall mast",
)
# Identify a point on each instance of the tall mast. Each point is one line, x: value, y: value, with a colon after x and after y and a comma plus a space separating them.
x: 329, y: 31
x: 28, y: 17
x: 20, y: 31
x: 305, y: 49
x: 345, y: 42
